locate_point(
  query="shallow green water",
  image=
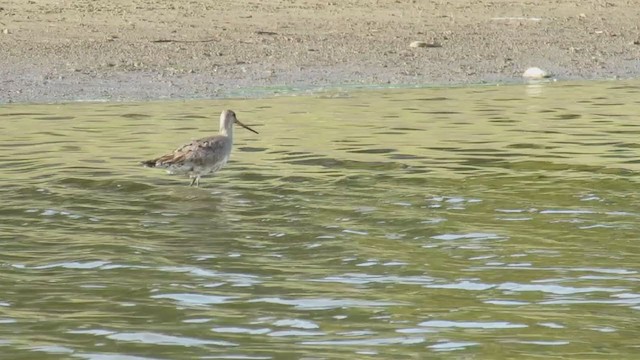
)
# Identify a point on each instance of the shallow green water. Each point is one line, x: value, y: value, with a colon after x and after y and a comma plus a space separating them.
x: 471, y: 223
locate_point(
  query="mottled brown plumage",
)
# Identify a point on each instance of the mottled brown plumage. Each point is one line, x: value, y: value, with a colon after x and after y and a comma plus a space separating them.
x: 203, y: 156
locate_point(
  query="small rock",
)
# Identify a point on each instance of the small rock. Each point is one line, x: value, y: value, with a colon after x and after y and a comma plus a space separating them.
x: 5, y: 31
x: 535, y: 73
x: 418, y: 44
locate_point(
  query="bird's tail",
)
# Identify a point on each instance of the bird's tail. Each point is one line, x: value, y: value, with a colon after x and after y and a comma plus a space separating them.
x: 149, y: 163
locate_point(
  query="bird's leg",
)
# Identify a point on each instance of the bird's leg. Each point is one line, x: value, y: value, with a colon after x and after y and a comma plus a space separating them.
x: 198, y: 181
x: 193, y: 181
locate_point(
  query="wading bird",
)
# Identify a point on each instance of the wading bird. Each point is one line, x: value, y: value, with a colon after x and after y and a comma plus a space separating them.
x: 203, y: 156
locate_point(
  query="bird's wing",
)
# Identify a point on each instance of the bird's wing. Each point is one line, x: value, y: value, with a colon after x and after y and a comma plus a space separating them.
x: 195, y: 152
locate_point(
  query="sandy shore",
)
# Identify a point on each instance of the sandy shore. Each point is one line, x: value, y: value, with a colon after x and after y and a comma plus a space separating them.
x: 63, y: 50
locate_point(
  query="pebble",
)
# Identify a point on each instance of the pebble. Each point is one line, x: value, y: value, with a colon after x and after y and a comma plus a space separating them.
x: 5, y: 31
x: 535, y: 73
x: 418, y: 44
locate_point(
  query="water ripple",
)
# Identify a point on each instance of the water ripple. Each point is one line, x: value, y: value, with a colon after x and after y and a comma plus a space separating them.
x: 323, y: 304
x: 194, y: 299
x: 504, y: 223
x: 471, y: 324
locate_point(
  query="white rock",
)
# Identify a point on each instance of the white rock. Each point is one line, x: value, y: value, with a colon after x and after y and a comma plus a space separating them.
x: 535, y: 73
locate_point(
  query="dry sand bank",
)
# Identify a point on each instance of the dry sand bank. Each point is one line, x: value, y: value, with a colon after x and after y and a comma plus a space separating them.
x: 63, y: 50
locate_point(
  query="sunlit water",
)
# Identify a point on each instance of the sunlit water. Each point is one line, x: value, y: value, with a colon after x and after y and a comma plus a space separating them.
x: 482, y: 222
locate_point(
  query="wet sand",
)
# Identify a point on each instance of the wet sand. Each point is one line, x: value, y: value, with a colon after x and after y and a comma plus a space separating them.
x: 56, y: 51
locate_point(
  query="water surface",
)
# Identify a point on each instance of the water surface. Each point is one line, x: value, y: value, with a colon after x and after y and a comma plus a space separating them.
x: 480, y: 222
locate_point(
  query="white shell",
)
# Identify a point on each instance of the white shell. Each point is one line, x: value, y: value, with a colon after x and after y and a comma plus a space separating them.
x: 417, y: 44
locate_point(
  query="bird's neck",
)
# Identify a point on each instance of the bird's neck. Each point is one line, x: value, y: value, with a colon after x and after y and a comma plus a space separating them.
x: 226, y: 132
